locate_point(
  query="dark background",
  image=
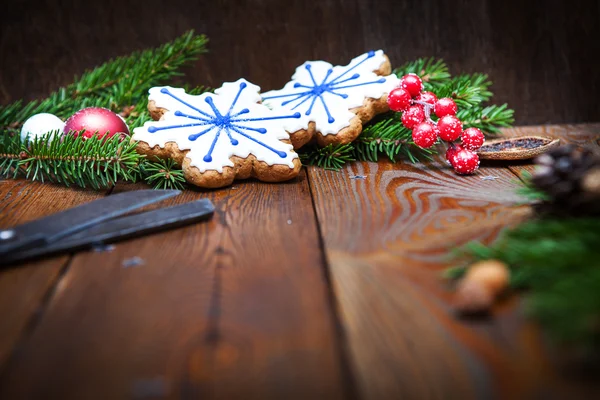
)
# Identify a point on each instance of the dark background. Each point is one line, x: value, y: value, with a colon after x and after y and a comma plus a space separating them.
x: 541, y: 55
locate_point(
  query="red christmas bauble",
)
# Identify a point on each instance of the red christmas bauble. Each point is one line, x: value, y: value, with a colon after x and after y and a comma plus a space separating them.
x: 98, y: 120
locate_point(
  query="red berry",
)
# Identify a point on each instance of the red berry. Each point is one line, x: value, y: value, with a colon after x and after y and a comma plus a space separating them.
x: 451, y: 153
x: 427, y: 97
x: 424, y: 135
x: 445, y: 106
x: 472, y: 139
x: 398, y: 99
x: 465, y: 162
x: 412, y: 83
x: 450, y: 128
x: 413, y: 116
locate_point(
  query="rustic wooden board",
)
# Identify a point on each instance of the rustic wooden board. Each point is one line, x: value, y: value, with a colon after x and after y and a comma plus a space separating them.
x: 23, y: 291
x: 236, y: 307
x: 240, y: 307
x: 386, y: 239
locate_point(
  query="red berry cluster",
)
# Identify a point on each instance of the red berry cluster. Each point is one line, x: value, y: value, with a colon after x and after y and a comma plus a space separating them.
x: 416, y: 107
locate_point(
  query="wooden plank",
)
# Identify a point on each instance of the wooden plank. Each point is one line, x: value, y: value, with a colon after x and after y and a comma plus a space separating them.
x: 275, y: 335
x: 236, y: 307
x: 387, y: 238
x: 23, y: 289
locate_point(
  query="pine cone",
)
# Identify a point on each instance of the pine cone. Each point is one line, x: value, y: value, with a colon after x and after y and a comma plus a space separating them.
x: 568, y: 175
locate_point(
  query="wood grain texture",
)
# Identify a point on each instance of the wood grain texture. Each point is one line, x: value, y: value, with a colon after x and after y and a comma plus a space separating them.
x: 540, y: 55
x: 23, y: 290
x: 387, y: 239
x: 233, y: 308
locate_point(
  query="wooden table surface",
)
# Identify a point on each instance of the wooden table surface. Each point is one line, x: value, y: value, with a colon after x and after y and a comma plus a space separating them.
x: 325, y: 287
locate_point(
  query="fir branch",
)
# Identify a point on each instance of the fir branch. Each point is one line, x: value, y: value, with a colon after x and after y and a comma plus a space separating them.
x: 532, y: 194
x: 558, y: 261
x: 529, y: 191
x: 434, y: 73
x: 467, y: 90
x: 329, y: 157
x: 93, y: 162
x: 118, y: 83
x: 163, y: 174
x: 489, y: 119
x: 389, y: 137
x: 120, y: 77
x: 384, y: 136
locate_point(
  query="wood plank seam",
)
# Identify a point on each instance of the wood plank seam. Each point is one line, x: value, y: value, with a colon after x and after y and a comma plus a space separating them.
x: 213, y: 335
x: 34, y: 319
x: 382, y: 249
x: 351, y: 386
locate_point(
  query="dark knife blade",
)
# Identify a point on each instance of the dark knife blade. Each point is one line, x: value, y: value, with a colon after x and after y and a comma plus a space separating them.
x: 121, y: 228
x: 49, y: 229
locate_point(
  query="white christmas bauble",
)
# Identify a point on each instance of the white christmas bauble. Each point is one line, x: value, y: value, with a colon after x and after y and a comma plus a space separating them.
x: 39, y: 124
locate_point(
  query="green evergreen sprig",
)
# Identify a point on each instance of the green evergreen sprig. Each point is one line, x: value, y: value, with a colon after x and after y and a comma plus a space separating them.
x: 489, y: 119
x: 332, y: 156
x: 163, y: 174
x: 558, y: 262
x: 385, y: 136
x: 530, y: 191
x: 467, y: 90
x: 70, y: 159
x: 434, y: 73
x: 122, y: 85
x: 116, y: 84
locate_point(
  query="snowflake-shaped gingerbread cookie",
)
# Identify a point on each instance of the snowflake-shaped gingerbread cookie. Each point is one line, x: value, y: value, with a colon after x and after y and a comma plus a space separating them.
x: 334, y: 102
x: 219, y: 137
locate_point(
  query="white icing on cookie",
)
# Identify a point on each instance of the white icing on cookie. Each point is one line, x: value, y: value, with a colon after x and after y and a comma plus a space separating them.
x: 324, y: 94
x: 215, y: 127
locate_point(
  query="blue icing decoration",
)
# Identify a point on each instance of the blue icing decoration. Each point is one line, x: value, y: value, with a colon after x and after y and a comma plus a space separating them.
x: 317, y: 90
x: 232, y: 124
